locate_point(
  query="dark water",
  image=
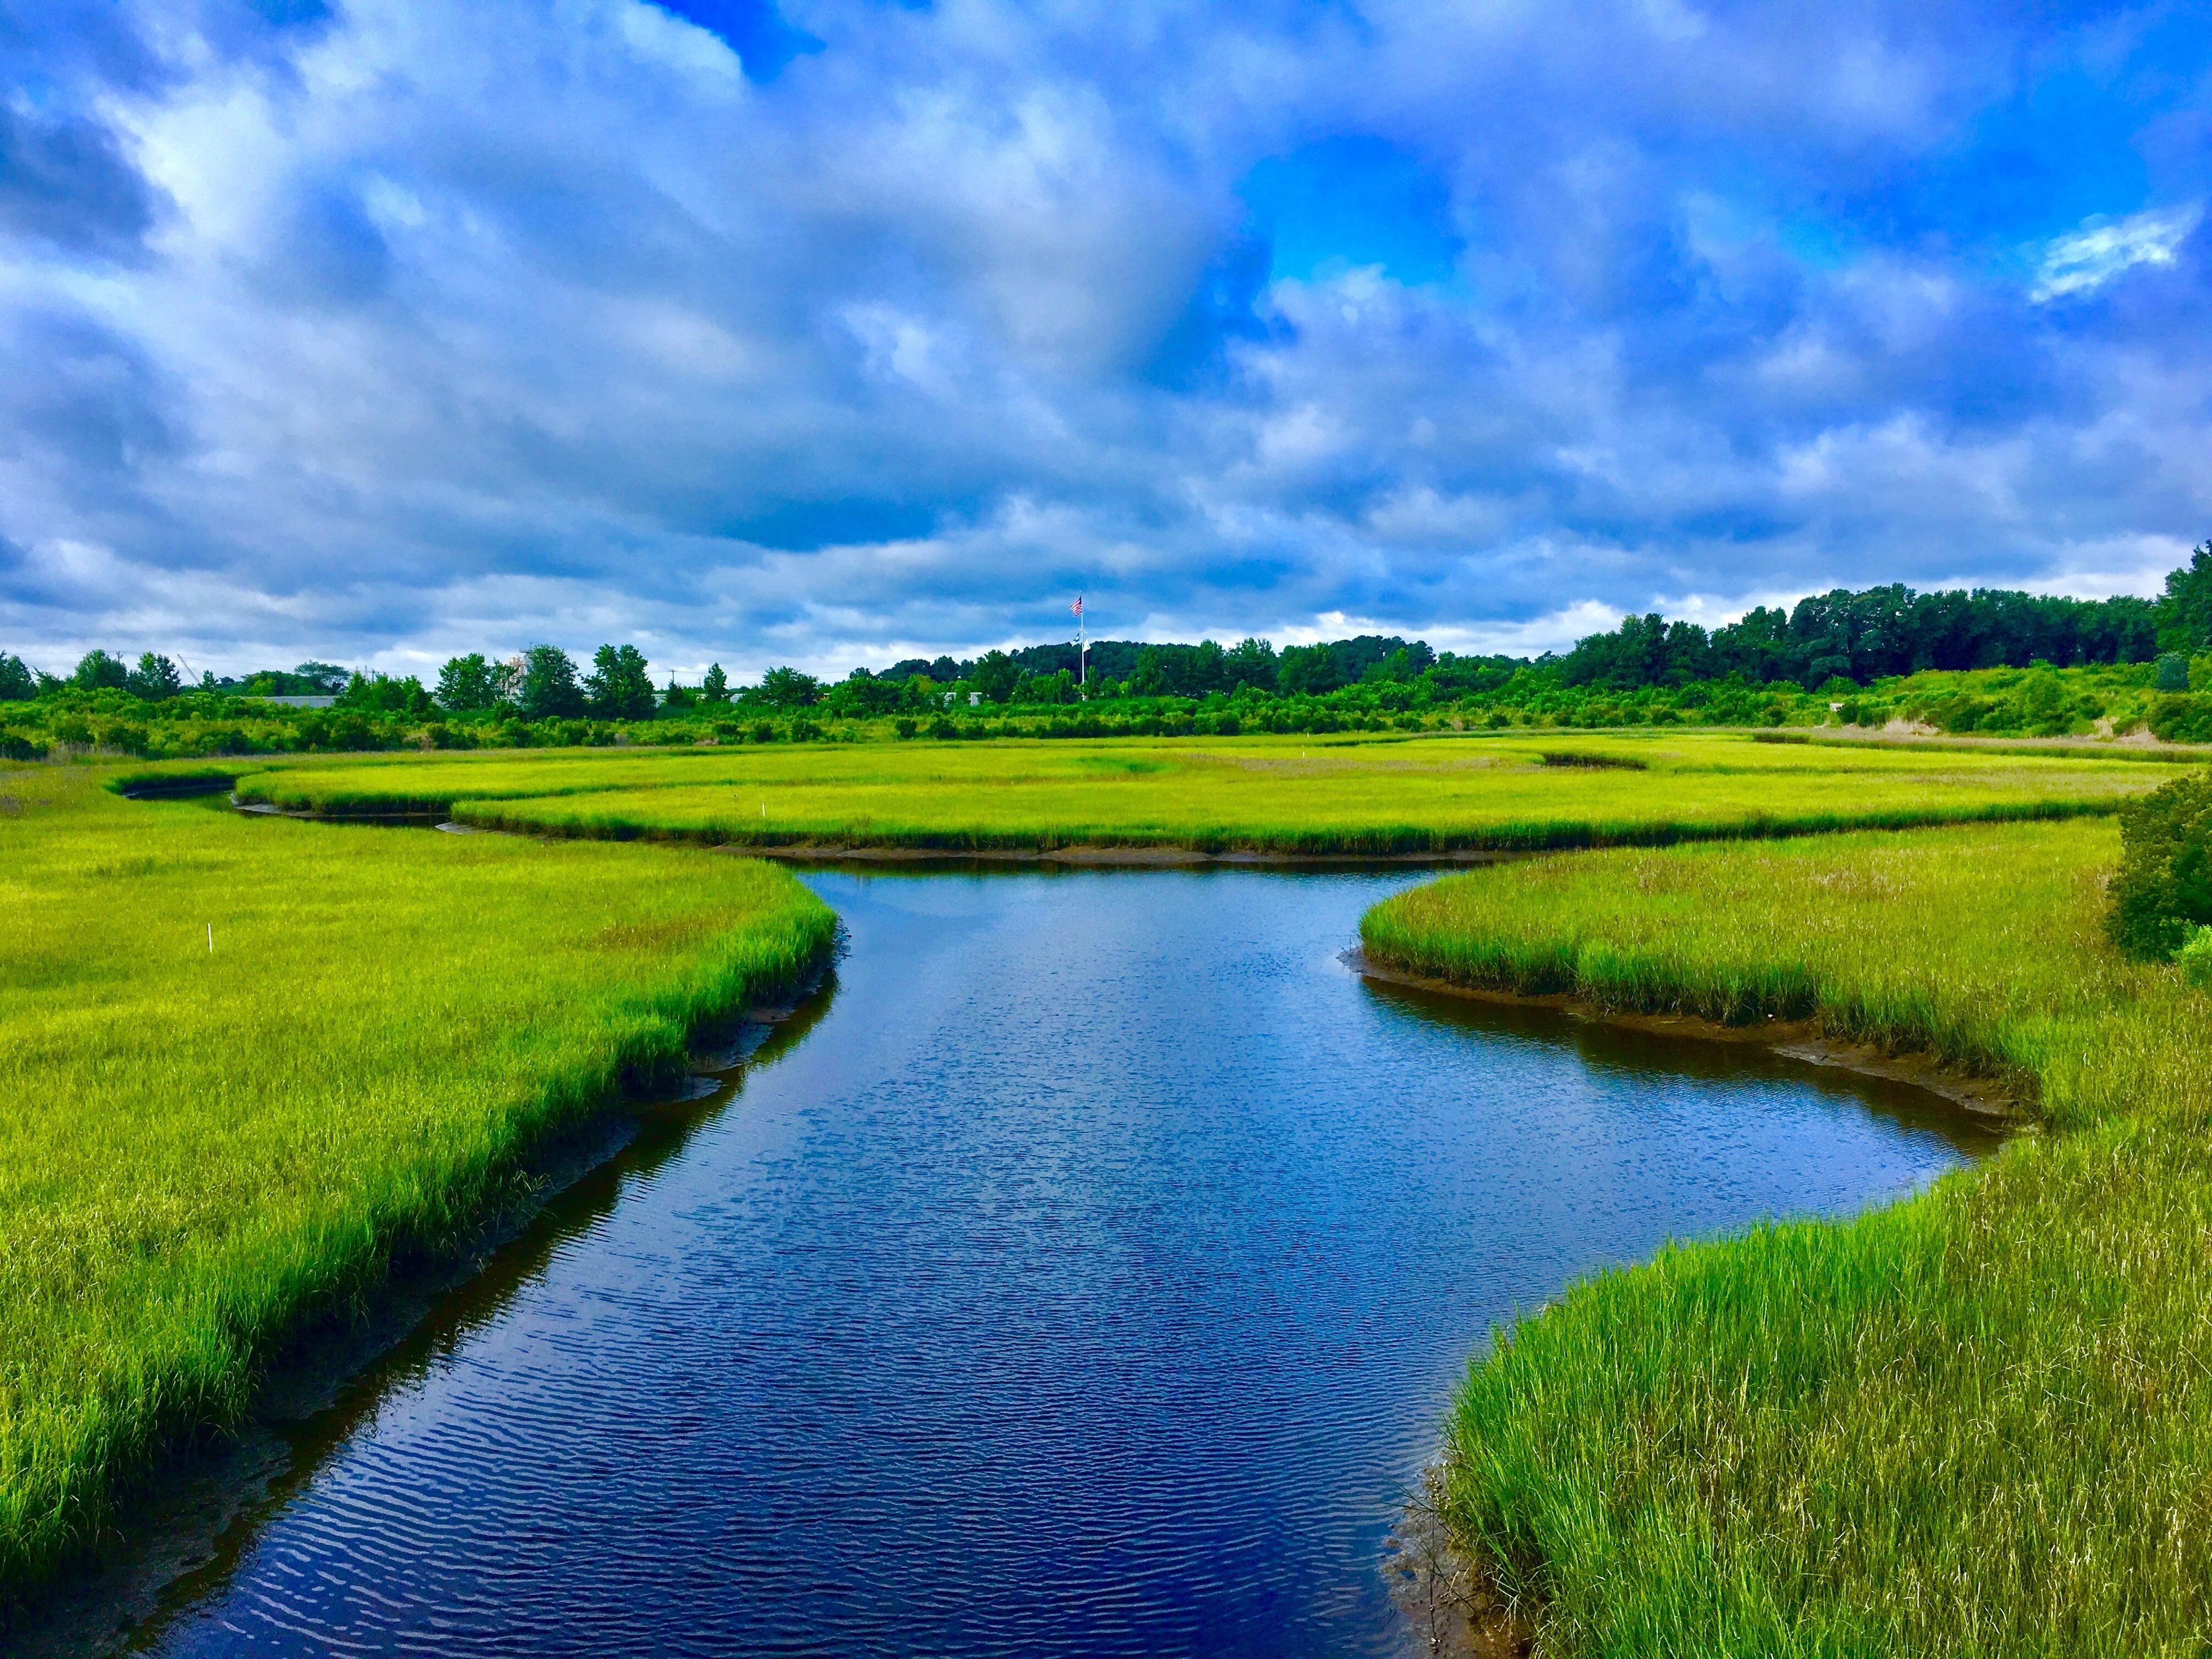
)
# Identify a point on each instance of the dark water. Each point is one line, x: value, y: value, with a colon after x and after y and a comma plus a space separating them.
x: 1088, y: 1278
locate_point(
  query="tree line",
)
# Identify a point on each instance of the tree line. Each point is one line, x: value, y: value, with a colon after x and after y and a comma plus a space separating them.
x: 1877, y: 632
x: 1860, y: 636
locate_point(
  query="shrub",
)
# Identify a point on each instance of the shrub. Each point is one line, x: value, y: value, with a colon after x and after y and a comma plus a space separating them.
x: 2172, y: 673
x: 904, y: 727
x: 2182, y: 718
x: 2196, y: 959
x: 805, y: 730
x: 2163, y: 891
x: 16, y: 747
x: 764, y: 733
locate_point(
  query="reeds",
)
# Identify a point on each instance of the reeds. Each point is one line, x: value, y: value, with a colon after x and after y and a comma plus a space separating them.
x: 198, y: 1151
x: 1975, y: 1422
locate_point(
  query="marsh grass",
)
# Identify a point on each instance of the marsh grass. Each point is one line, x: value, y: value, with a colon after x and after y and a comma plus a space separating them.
x: 199, y: 1150
x: 1280, y: 795
x: 1975, y: 1422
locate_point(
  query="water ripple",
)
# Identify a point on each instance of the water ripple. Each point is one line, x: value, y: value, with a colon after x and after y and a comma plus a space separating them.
x: 1090, y: 1280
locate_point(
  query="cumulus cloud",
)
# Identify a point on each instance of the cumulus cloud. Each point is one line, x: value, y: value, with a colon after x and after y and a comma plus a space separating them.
x: 835, y: 334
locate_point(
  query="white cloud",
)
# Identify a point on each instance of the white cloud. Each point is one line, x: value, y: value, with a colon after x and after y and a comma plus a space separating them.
x: 2089, y: 258
x: 458, y: 324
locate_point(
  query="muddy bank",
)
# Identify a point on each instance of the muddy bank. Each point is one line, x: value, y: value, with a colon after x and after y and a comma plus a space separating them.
x: 1797, y: 1039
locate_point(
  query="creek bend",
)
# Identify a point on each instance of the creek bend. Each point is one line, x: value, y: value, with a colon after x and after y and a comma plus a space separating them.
x: 1087, y: 1273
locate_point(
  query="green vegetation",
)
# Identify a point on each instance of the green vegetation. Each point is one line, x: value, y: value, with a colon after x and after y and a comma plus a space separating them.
x: 201, y: 1148
x: 2007, y: 664
x: 1977, y: 1422
x: 1265, y: 795
x: 2162, y: 894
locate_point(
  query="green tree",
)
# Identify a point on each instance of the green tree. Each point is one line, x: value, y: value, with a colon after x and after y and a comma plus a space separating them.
x: 1250, y: 662
x: 319, y: 679
x: 787, y: 688
x: 1308, y: 669
x: 678, y: 696
x: 995, y: 675
x: 383, y: 694
x: 155, y: 679
x: 2185, y: 613
x: 618, y: 688
x: 17, y: 683
x: 549, y: 689
x: 464, y: 683
x: 2172, y: 674
x: 96, y: 671
x: 715, y: 688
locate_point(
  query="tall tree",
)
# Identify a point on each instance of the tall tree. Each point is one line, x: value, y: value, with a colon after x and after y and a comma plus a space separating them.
x: 787, y: 688
x: 618, y: 687
x: 550, y: 690
x: 155, y: 678
x: 2185, y: 613
x: 715, y: 688
x: 995, y: 675
x: 1250, y: 662
x: 96, y: 671
x: 465, y: 684
x: 17, y: 683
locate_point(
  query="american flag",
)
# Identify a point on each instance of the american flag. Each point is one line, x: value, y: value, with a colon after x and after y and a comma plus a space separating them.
x: 1077, y: 606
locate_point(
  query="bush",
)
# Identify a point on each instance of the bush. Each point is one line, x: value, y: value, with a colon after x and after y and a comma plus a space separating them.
x: 2163, y: 892
x: 2184, y: 718
x: 16, y: 747
x: 2196, y: 959
x: 2172, y: 674
x: 904, y: 727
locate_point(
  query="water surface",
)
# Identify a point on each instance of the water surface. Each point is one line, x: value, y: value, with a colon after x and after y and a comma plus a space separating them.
x: 1089, y: 1276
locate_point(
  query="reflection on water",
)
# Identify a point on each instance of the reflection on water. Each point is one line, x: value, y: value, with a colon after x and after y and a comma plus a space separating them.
x: 1087, y: 1276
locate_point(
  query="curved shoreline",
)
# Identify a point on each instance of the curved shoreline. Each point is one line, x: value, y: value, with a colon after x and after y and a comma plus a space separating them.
x: 1795, y: 1039
x: 171, y: 1523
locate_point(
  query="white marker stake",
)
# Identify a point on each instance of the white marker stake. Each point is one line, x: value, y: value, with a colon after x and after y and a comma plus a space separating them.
x: 210, y: 938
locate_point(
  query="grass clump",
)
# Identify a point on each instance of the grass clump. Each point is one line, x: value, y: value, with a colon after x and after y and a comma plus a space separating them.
x: 2163, y: 891
x: 200, y: 1148
x: 1975, y: 1422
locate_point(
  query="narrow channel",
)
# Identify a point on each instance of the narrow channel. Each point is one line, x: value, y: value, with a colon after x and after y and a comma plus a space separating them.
x: 1090, y: 1276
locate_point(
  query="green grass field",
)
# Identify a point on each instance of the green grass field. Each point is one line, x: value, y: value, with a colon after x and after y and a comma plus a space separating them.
x: 1279, y: 795
x: 1977, y: 1422
x: 199, y: 1150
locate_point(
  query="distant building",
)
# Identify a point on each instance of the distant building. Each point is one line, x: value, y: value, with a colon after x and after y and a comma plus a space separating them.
x: 299, y: 703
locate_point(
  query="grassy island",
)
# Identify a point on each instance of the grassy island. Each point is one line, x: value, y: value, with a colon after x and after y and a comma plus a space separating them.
x: 1290, y: 796
x: 1977, y: 1422
x: 199, y: 1147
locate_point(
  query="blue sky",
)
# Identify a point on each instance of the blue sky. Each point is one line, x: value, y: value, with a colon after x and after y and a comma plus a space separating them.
x: 831, y: 333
